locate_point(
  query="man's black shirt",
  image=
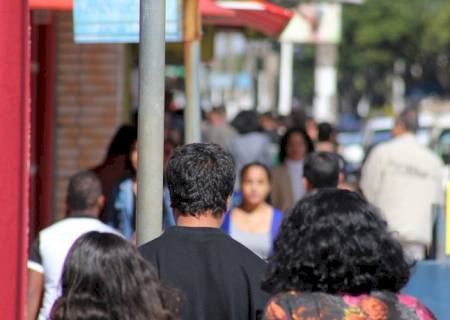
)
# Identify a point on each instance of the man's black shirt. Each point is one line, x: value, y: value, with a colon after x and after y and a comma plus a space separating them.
x: 218, y: 277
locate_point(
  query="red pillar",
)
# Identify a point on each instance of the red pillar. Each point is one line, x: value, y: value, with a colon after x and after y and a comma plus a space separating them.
x: 14, y: 160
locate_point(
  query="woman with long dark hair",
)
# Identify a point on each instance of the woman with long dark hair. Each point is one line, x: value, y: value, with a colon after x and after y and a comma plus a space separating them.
x: 104, y: 277
x: 287, y: 182
x: 335, y: 259
x: 120, y: 211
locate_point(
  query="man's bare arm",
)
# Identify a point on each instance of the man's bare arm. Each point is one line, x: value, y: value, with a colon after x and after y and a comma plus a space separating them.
x: 35, y: 289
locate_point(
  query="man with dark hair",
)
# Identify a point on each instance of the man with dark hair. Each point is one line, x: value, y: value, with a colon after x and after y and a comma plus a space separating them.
x: 321, y: 170
x: 216, y: 129
x: 326, y: 138
x: 218, y: 277
x: 404, y: 179
x: 47, y: 255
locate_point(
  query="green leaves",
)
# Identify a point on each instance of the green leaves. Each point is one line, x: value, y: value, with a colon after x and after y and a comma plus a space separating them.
x: 380, y: 32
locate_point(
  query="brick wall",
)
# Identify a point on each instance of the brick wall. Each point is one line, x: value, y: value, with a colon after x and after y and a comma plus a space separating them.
x: 89, y: 100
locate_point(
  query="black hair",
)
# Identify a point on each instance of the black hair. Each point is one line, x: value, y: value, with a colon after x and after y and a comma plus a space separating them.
x: 285, y: 139
x: 129, y: 165
x: 246, y: 122
x: 255, y: 164
x: 335, y: 242
x: 104, y: 277
x: 325, y: 132
x: 200, y: 177
x: 122, y: 141
x: 83, y: 191
x: 321, y: 169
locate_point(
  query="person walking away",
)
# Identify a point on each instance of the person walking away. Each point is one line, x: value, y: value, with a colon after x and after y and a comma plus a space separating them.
x: 46, y: 258
x: 255, y: 223
x: 216, y: 129
x: 404, y: 179
x: 326, y: 138
x: 251, y: 145
x: 218, y: 277
x: 321, y: 170
x: 335, y: 259
x: 105, y: 277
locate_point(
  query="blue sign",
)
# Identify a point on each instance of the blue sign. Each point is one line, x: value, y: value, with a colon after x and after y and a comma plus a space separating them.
x: 117, y: 21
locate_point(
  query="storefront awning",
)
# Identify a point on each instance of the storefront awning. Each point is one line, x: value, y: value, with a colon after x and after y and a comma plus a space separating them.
x: 259, y: 15
x: 51, y: 4
x: 262, y: 16
x: 209, y: 8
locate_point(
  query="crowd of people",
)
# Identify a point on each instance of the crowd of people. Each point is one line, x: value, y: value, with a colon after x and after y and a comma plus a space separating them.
x: 259, y: 223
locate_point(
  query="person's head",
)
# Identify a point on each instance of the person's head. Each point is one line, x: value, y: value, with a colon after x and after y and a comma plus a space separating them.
x: 321, y: 170
x: 295, y: 145
x: 246, y: 122
x: 200, y: 178
x: 85, y: 193
x: 104, y: 277
x: 326, y: 132
x: 406, y: 121
x: 255, y: 183
x: 122, y: 141
x: 217, y: 115
x: 335, y: 242
x: 268, y: 121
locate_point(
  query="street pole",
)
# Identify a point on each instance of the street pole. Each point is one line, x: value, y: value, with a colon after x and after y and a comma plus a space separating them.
x: 286, y: 69
x: 192, y: 114
x: 151, y: 119
x: 325, y: 83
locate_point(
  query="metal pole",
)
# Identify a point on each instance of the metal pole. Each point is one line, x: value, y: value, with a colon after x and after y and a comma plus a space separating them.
x: 286, y: 69
x: 151, y: 116
x: 325, y: 83
x: 192, y: 114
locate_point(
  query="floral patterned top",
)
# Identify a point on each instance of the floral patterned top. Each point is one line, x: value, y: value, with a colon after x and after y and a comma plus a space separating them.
x: 321, y: 306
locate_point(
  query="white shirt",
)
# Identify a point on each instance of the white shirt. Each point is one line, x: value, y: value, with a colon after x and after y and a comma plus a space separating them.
x: 295, y: 169
x: 404, y: 179
x: 51, y: 250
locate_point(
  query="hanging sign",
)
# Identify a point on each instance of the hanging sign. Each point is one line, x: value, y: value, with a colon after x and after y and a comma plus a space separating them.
x: 117, y: 21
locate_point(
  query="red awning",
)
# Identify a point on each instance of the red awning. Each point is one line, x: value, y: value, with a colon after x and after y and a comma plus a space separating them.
x: 259, y: 15
x: 51, y: 4
x: 209, y: 8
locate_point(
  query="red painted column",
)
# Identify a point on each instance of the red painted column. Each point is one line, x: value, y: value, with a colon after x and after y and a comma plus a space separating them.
x: 14, y: 160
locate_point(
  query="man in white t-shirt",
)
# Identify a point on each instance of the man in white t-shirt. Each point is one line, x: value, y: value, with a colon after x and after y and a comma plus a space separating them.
x: 404, y: 179
x: 47, y: 255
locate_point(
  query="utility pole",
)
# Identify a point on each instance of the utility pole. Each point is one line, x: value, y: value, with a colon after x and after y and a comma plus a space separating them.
x: 286, y: 70
x: 192, y: 114
x: 192, y: 38
x: 325, y: 83
x: 151, y: 119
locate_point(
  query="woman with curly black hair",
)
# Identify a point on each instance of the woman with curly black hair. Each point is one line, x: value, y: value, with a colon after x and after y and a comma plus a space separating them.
x: 335, y: 259
x: 105, y: 277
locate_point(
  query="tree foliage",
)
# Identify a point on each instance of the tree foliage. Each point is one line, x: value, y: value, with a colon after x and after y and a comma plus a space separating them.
x: 381, y: 32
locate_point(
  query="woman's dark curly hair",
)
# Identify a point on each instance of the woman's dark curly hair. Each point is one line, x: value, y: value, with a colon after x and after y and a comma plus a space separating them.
x: 104, y: 277
x: 335, y: 242
x: 284, y: 141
